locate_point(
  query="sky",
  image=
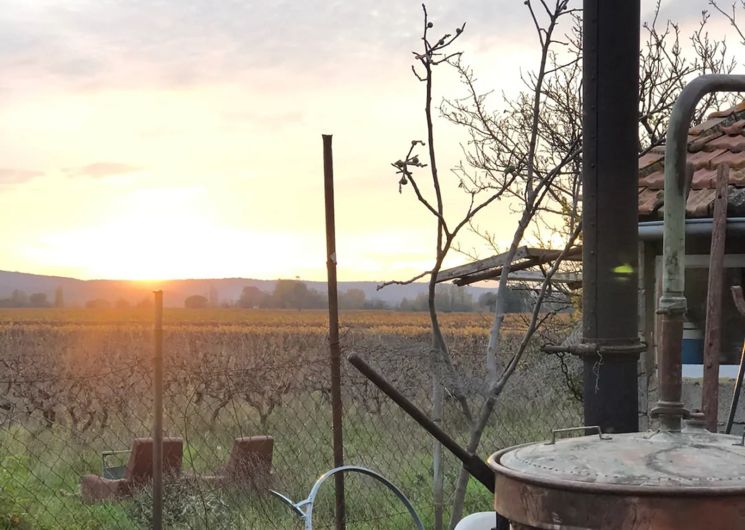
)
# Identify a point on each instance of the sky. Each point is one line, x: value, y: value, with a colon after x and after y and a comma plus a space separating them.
x: 151, y: 139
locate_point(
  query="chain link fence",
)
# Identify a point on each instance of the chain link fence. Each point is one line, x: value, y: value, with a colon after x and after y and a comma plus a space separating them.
x: 75, y: 397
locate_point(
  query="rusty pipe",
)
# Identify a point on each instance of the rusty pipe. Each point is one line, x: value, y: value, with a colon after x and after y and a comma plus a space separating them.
x: 672, y: 304
x: 472, y: 463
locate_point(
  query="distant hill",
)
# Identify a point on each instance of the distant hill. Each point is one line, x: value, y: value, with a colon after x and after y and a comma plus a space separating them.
x: 78, y: 292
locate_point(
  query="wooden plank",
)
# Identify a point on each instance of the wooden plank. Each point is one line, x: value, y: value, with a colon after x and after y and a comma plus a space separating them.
x: 538, y: 276
x: 480, y: 265
x: 740, y: 305
x: 543, y: 256
x: 496, y: 273
x: 713, y: 333
x: 647, y: 321
x: 524, y: 258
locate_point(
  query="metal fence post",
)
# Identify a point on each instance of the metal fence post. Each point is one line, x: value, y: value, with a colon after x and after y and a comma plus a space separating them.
x: 334, y: 349
x: 158, y: 414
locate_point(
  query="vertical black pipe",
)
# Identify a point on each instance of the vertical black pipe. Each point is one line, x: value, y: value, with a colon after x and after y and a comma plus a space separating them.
x: 334, y: 349
x: 610, y: 206
x: 158, y: 413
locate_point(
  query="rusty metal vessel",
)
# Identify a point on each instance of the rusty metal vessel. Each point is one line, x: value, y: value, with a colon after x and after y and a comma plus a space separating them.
x: 659, y: 480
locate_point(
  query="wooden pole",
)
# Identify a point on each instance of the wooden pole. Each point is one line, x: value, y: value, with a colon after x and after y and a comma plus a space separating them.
x: 740, y: 305
x: 158, y: 414
x: 334, y: 348
x: 713, y: 333
x: 647, y: 300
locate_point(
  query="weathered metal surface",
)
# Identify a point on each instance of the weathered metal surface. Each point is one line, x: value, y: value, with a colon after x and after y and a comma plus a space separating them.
x: 629, y: 481
x: 571, y: 510
x: 669, y: 408
x: 650, y: 463
x: 610, y: 140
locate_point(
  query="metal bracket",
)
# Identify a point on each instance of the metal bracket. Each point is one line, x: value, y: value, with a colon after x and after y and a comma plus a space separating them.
x: 670, y: 408
x: 588, y: 348
x: 672, y: 305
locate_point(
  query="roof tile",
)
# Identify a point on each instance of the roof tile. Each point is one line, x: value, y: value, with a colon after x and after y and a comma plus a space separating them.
x: 700, y: 202
x: 649, y: 201
x: 704, y: 158
x: 735, y: 128
x: 655, y: 181
x: 734, y: 160
x: 737, y: 177
x: 708, y: 124
x: 702, y: 141
x: 650, y: 158
x: 719, y: 140
x: 730, y: 143
x: 703, y: 178
x: 728, y: 112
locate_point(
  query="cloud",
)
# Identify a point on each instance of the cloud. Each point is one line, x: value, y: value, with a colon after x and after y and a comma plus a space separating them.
x: 99, y: 170
x: 177, y: 42
x: 10, y: 177
x: 172, y: 43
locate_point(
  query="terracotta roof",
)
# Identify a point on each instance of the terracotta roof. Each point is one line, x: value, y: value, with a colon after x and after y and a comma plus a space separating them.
x: 718, y: 140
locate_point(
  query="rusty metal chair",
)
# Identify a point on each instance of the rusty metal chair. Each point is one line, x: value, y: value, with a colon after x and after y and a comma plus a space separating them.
x: 116, y: 483
x: 249, y: 464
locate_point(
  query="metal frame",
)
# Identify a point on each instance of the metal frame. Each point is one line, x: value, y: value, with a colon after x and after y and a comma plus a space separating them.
x: 304, y: 508
x: 107, y: 471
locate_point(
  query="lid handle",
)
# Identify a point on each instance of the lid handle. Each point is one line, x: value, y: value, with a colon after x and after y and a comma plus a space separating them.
x: 597, y: 428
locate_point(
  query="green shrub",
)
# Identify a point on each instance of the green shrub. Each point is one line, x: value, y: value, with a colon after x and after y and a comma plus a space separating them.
x: 185, y: 504
x: 13, y: 497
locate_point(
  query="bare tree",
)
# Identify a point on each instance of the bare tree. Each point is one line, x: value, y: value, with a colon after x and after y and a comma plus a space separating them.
x: 528, y: 154
x: 520, y: 180
x: 436, y: 52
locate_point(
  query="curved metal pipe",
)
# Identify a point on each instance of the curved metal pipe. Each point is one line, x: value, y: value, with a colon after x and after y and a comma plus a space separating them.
x: 672, y: 304
x: 673, y: 274
x: 304, y: 508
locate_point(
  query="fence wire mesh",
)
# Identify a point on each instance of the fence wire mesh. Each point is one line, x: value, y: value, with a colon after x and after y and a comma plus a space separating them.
x: 71, y: 391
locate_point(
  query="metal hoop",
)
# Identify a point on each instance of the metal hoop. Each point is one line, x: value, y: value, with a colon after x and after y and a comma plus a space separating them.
x: 304, y: 508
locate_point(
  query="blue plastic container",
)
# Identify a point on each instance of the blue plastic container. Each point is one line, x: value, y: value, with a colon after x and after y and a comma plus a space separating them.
x: 693, y: 344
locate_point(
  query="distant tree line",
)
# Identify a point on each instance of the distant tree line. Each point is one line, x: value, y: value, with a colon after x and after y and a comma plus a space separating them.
x: 294, y: 294
x: 19, y: 298
x: 120, y: 303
